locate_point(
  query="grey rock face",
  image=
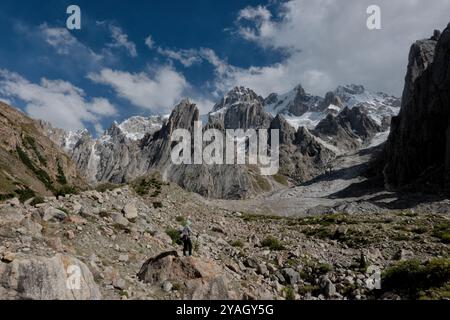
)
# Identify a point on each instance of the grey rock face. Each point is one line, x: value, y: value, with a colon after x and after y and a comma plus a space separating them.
x: 349, y: 130
x: 302, y: 156
x: 241, y: 108
x: 419, y: 142
x: 295, y: 103
x: 40, y: 278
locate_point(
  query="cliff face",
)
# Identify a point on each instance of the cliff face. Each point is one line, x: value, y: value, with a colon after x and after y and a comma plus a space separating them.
x: 418, y: 147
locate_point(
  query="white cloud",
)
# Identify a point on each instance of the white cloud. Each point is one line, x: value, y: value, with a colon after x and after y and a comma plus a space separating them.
x: 6, y: 101
x: 328, y: 43
x: 187, y: 57
x: 150, y: 42
x: 57, y: 101
x: 120, y: 40
x: 65, y: 43
x: 158, y: 93
x: 204, y: 105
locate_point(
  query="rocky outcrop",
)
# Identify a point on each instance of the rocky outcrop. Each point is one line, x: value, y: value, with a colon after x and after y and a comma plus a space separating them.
x: 241, y: 108
x: 419, y: 142
x: 295, y: 103
x: 331, y: 98
x: 349, y: 130
x: 61, y: 277
x: 202, y: 278
x: 302, y: 156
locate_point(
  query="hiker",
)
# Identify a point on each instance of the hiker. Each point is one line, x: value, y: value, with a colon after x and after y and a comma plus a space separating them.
x: 186, y: 238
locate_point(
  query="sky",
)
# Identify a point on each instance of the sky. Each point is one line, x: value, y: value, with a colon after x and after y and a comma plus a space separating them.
x: 143, y: 57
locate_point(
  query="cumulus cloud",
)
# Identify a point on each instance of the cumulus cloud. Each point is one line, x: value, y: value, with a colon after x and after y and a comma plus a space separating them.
x: 328, y: 43
x: 149, y: 42
x: 120, y: 40
x: 59, y: 102
x: 65, y: 43
x: 158, y: 93
x: 187, y: 57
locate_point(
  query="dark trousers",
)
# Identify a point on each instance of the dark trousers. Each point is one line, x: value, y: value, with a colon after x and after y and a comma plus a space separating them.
x: 187, y: 247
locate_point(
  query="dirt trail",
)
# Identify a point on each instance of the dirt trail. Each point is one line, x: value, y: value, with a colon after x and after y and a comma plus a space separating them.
x: 295, y: 201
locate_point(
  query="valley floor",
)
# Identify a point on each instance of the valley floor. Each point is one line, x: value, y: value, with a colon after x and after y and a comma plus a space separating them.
x: 338, y: 253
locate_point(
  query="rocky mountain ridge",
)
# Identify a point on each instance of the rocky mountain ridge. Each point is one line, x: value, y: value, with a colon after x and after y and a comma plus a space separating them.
x: 124, y: 152
x: 417, y: 150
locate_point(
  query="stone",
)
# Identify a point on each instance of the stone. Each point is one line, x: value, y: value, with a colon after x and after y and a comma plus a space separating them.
x: 119, y: 219
x: 203, y: 278
x: 70, y: 234
x: 8, y: 257
x: 119, y: 283
x: 262, y: 269
x: 55, y: 278
x: 167, y: 286
x: 54, y: 215
x: 130, y: 211
x: 327, y: 287
x: 14, y: 202
x: 292, y: 277
x: 123, y: 258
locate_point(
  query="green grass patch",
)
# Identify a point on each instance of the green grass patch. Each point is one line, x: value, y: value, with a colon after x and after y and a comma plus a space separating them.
x: 442, y: 232
x: 31, y: 143
x: 413, y: 278
x: 281, y: 179
x: 272, y: 243
x: 39, y: 173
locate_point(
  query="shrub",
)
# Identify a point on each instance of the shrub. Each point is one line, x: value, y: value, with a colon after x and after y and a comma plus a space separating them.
x: 157, y: 204
x: 143, y: 186
x: 65, y: 190
x: 272, y: 243
x: 442, y: 232
x: 6, y: 196
x: 61, y: 177
x: 182, y: 220
x: 289, y: 293
x: 37, y: 200
x: 174, y: 234
x: 25, y: 194
x: 411, y: 277
x: 237, y: 243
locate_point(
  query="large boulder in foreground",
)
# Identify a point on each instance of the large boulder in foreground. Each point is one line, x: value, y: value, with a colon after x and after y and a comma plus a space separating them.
x: 42, y: 278
x: 202, y: 278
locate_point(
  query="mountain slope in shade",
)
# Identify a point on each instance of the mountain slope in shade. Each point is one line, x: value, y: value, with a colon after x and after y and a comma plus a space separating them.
x: 418, y: 148
x: 29, y: 161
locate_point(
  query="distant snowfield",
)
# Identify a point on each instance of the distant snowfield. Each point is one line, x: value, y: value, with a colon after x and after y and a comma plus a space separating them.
x: 309, y: 120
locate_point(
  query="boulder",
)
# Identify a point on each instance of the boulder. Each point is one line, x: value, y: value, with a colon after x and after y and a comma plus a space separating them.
x: 53, y: 214
x: 61, y: 277
x: 202, y: 278
x: 292, y: 277
x: 130, y: 211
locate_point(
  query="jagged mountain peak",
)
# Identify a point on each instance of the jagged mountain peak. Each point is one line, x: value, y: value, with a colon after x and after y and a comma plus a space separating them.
x: 238, y: 96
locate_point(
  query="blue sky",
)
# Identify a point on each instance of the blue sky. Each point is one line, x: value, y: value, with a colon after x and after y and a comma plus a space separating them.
x: 142, y: 57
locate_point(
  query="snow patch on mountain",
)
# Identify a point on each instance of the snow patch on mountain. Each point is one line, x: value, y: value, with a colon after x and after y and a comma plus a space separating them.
x: 135, y: 128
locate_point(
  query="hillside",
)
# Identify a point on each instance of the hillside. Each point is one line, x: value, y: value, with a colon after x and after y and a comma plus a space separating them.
x: 29, y: 161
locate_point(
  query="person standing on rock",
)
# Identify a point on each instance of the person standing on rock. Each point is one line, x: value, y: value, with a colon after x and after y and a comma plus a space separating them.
x: 186, y: 238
